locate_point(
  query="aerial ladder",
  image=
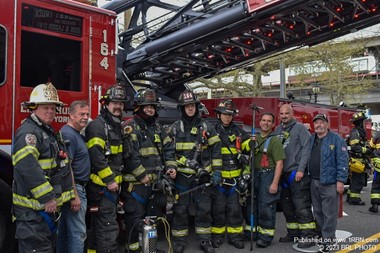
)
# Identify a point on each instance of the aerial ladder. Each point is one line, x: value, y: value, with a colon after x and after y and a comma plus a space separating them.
x: 203, y: 38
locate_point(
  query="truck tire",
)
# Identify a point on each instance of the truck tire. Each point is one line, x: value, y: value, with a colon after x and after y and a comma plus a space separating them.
x: 7, y: 228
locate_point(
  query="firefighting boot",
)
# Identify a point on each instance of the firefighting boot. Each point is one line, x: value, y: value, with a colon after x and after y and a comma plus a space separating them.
x: 239, y: 244
x: 206, y: 246
x: 374, y: 208
x: 178, y: 247
x: 216, y: 242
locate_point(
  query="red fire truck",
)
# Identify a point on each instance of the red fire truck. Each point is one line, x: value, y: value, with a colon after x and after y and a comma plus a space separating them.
x: 68, y: 43
x: 304, y: 111
x: 74, y: 46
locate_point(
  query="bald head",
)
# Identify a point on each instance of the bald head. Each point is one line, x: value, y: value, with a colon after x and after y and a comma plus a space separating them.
x: 286, y: 113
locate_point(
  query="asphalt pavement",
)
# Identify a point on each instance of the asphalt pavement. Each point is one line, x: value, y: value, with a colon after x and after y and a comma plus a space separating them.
x: 363, y: 226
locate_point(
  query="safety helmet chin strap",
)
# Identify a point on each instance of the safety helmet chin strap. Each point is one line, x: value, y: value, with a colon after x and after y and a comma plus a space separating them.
x: 220, y: 119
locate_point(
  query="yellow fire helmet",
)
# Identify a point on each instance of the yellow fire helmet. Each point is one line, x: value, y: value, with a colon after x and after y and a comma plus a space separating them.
x: 43, y: 94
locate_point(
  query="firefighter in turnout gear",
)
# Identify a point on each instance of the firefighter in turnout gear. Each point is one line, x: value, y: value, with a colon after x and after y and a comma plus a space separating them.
x: 358, y: 165
x: 149, y: 159
x: 42, y: 178
x: 375, y: 191
x: 104, y: 142
x: 227, y: 211
x: 198, y: 153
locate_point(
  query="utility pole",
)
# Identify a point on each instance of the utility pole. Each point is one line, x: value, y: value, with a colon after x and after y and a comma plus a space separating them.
x: 282, y: 78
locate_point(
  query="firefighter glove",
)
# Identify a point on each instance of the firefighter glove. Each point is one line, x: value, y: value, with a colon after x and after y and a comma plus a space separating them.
x: 367, y: 150
x: 192, y: 164
x: 203, y: 177
x: 243, y: 160
x: 376, y: 162
x: 252, y: 144
x: 216, y: 177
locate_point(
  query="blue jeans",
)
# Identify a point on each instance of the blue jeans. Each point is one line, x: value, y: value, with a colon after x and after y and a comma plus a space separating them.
x: 265, y: 206
x: 72, y: 226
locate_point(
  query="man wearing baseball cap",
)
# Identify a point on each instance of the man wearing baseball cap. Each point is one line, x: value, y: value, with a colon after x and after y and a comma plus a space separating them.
x: 328, y: 164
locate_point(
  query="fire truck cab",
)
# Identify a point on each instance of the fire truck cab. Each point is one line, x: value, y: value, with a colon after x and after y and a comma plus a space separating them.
x: 72, y: 45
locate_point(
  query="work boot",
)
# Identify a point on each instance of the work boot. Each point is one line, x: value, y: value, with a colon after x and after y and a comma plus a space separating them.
x: 216, y: 242
x: 374, y: 208
x: 286, y: 238
x: 239, y: 244
x: 206, y: 246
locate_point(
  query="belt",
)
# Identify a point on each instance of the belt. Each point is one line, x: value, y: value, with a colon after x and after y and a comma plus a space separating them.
x: 264, y: 169
x: 82, y: 183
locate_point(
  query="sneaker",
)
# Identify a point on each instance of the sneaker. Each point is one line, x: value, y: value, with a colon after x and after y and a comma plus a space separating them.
x: 287, y: 238
x: 207, y: 247
x: 262, y: 244
x: 239, y: 244
x: 216, y: 243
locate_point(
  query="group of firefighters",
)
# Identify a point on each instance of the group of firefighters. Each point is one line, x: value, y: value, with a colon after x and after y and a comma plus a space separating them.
x: 138, y: 165
x: 364, y: 160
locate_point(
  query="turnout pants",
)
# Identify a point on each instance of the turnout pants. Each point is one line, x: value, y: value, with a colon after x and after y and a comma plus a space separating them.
x: 139, y: 201
x: 33, y: 234
x: 357, y: 182
x: 202, y: 203
x: 227, y: 212
x: 375, y: 191
x: 104, y: 226
x: 295, y: 202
